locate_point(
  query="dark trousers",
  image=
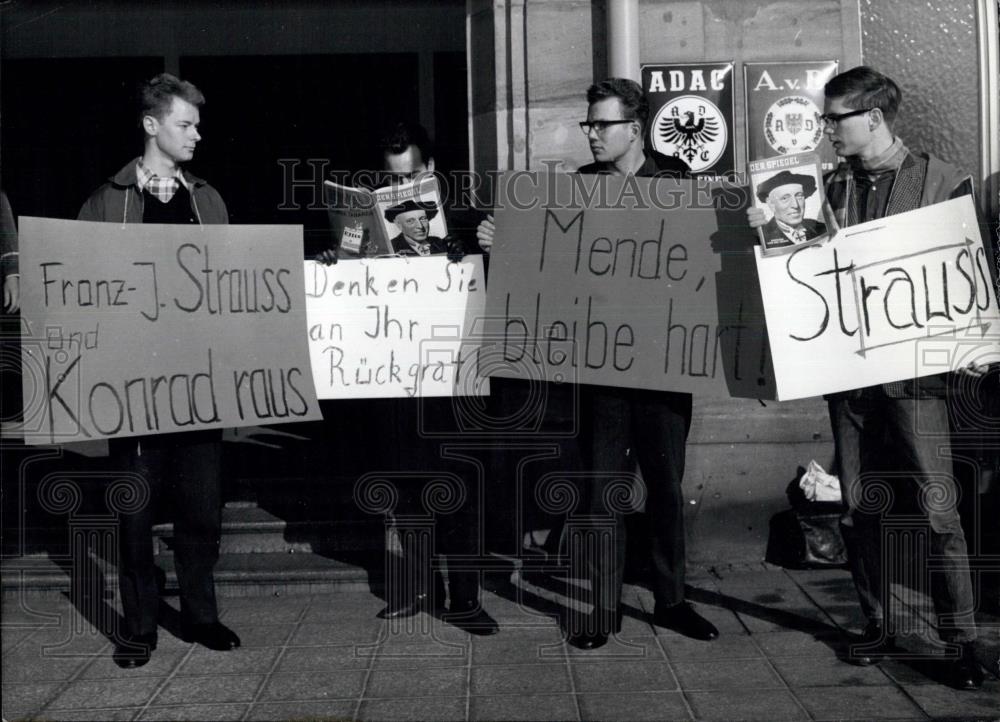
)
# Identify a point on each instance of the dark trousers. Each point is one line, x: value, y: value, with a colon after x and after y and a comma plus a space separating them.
x: 425, y: 534
x: 623, y: 427
x: 182, y: 469
x: 545, y: 443
x: 919, y: 437
x: 439, y: 507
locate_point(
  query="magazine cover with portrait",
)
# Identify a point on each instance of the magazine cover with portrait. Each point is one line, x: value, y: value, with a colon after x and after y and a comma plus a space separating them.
x: 789, y: 189
x: 385, y: 221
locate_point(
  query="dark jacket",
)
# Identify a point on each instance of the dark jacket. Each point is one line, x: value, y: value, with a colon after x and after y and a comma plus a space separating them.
x: 776, y: 239
x: 925, y: 180
x: 657, y: 165
x: 119, y: 200
x: 8, y: 239
x: 402, y: 248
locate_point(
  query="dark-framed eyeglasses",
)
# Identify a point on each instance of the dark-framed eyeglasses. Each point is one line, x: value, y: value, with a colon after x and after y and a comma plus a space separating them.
x: 834, y: 118
x: 601, y: 125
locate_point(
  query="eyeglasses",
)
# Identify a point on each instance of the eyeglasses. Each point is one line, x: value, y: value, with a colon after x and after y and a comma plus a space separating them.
x: 601, y: 125
x: 834, y: 118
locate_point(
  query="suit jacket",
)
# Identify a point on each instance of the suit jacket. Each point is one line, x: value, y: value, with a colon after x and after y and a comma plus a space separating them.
x: 775, y: 238
x: 657, y: 165
x: 402, y: 248
x: 8, y: 238
x: 921, y: 180
x: 119, y: 200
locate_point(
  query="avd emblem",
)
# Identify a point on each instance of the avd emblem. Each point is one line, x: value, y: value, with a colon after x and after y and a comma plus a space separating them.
x: 792, y: 125
x: 692, y: 128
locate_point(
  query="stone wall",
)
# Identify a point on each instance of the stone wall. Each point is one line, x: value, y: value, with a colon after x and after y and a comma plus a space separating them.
x: 547, y: 52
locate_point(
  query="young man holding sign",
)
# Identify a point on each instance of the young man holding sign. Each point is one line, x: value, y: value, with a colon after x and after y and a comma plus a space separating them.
x: 623, y: 426
x: 880, y: 178
x: 155, y: 189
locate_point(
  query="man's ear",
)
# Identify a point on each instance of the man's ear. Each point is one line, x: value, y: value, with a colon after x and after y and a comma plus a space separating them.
x: 875, y: 118
x: 150, y: 124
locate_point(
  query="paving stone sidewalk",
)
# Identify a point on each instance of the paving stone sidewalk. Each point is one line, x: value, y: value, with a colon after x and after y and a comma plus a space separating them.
x: 326, y: 656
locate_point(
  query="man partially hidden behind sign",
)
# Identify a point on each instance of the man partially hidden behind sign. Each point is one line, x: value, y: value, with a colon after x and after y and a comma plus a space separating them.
x: 881, y: 177
x: 407, y: 154
x: 413, y: 587
x: 413, y: 218
x: 785, y: 194
x: 623, y: 426
x: 183, y: 467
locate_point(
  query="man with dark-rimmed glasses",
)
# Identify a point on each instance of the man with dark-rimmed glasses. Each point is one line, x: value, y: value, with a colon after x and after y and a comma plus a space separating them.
x: 621, y: 426
x: 905, y: 420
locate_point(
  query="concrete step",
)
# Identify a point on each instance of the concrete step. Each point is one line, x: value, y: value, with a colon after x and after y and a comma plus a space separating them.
x: 236, y: 575
x: 246, y: 528
x: 249, y: 529
x: 261, y: 553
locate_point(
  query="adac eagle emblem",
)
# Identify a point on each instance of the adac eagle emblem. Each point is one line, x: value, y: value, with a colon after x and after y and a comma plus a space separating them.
x: 690, y: 127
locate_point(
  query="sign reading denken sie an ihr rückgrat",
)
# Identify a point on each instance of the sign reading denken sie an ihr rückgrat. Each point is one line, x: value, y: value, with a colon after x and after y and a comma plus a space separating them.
x: 396, y: 327
x: 890, y: 300
x: 147, y: 329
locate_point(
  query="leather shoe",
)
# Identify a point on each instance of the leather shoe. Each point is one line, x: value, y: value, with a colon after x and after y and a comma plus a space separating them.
x: 587, y: 640
x: 468, y: 615
x: 400, y: 610
x: 134, y: 650
x: 872, y: 647
x: 214, y: 635
x: 593, y: 630
x: 683, y: 619
x: 965, y: 673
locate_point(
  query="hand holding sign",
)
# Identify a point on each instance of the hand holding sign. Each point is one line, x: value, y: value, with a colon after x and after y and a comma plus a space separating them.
x: 894, y: 299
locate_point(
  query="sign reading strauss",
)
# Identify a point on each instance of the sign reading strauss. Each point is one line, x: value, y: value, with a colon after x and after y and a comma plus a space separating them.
x: 395, y: 327
x: 635, y: 282
x: 893, y: 299
x: 147, y: 329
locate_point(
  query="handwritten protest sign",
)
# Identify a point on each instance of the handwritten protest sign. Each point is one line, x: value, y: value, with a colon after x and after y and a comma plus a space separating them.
x: 635, y: 282
x: 897, y: 298
x: 395, y: 327
x: 146, y: 329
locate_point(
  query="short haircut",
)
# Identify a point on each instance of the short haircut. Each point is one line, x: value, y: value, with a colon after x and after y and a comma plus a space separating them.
x: 403, y: 135
x: 634, y: 103
x: 157, y: 95
x: 863, y: 87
